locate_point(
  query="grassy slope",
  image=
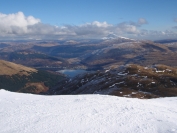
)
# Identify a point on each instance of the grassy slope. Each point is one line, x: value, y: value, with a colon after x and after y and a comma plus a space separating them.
x: 15, y: 77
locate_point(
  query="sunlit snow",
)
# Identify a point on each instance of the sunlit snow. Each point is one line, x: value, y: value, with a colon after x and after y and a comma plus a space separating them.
x: 27, y: 113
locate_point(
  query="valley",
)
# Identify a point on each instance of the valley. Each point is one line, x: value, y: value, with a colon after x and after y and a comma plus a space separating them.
x: 89, y: 54
x: 126, y: 81
x: 111, y: 66
x: 88, y: 66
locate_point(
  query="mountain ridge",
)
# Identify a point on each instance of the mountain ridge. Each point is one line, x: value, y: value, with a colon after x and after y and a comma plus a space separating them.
x: 127, y: 81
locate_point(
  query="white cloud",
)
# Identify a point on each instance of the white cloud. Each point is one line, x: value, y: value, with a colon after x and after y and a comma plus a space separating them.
x: 16, y: 23
x: 142, y: 21
x: 156, y: 35
x: 90, y: 29
x: 98, y: 24
x: 127, y: 28
x: 17, y: 19
x: 19, y: 26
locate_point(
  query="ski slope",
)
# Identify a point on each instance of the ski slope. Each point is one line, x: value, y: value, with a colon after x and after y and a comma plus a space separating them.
x: 27, y: 113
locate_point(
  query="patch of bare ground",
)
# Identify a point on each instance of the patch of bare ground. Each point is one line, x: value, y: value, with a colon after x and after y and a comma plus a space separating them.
x: 35, y: 88
x: 126, y: 92
x: 168, y: 58
x: 73, y: 60
x: 101, y: 61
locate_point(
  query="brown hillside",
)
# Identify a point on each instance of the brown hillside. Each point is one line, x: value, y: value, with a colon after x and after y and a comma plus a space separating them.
x: 18, y: 78
x: 128, y: 81
x: 9, y: 68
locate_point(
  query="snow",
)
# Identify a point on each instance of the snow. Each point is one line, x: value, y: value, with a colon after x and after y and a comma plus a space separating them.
x: 107, y: 71
x: 114, y: 36
x: 169, y: 70
x: 120, y: 82
x: 134, y: 92
x: 145, y: 67
x: 144, y: 77
x: 27, y: 113
x: 139, y: 84
x: 124, y: 37
x: 121, y: 74
x: 159, y: 71
x: 116, y: 84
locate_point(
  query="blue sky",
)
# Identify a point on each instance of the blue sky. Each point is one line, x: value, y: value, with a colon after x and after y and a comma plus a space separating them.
x: 141, y: 19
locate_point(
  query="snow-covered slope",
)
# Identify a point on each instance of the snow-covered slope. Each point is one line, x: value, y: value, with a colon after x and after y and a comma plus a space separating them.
x: 114, y: 36
x: 27, y: 113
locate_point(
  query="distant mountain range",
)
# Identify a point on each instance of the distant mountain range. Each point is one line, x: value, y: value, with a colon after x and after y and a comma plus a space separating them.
x: 91, y: 54
x: 100, y: 55
x: 33, y: 59
x: 136, y: 52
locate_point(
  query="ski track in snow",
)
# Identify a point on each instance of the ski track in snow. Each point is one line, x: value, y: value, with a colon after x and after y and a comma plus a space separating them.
x: 27, y: 113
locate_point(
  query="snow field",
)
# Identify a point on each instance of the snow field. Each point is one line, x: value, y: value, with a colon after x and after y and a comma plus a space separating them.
x: 27, y: 113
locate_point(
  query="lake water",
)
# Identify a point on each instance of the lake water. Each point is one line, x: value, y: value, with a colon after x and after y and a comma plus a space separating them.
x: 72, y: 73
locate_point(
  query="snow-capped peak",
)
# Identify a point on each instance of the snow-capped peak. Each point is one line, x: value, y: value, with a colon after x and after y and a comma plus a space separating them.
x: 114, y: 36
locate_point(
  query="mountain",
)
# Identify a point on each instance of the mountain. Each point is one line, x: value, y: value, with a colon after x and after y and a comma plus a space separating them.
x: 166, y: 41
x: 108, y: 53
x: 90, y: 54
x: 114, y: 36
x: 127, y: 81
x: 18, y: 78
x: 135, y: 52
x: 3, y: 45
x: 85, y: 114
x: 23, y: 53
x: 33, y: 59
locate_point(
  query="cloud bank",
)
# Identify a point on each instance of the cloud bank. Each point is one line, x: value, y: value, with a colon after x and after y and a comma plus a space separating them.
x: 19, y: 26
x: 16, y: 23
